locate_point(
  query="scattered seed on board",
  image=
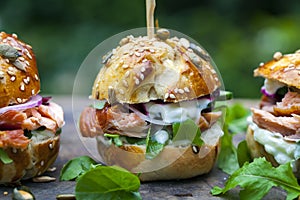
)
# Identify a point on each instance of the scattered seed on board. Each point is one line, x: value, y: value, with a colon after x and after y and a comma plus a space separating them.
x: 43, y: 179
x: 65, y: 197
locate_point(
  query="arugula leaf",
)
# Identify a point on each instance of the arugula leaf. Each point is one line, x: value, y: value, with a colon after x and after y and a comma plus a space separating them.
x: 257, y: 178
x: 4, y: 157
x: 187, y: 130
x: 103, y: 182
x: 235, y: 122
x: 76, y: 167
x: 243, y: 153
x: 227, y: 160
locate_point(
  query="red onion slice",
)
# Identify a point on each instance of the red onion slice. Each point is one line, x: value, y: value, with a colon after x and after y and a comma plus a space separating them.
x: 145, y: 117
x: 32, y: 102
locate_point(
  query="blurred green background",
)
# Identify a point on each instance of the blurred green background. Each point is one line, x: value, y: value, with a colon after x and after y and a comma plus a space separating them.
x: 238, y: 34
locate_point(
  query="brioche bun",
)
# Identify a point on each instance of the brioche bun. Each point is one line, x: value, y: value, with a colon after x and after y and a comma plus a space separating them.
x: 143, y: 69
x: 174, y: 162
x: 22, y: 112
x: 31, y: 162
x: 283, y: 68
x: 19, y: 78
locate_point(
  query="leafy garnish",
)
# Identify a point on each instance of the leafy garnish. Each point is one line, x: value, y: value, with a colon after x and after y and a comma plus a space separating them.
x: 187, y: 130
x: 257, y: 178
x: 103, y: 182
x: 235, y: 122
x: 227, y: 160
x: 76, y: 167
x: 243, y: 153
x: 4, y: 157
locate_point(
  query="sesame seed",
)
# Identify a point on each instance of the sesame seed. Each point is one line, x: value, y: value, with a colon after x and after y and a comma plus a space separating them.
x: 50, y: 146
x: 152, y: 50
x: 125, y: 83
x: 137, y: 81
x: 142, y: 76
x: 125, y: 66
x: 12, y: 78
x: 25, y: 80
x: 172, y: 96
x: 143, y: 69
x: 42, y: 163
x: 21, y: 58
x: 15, y: 35
x: 145, y: 60
x: 29, y: 56
x: 181, y: 91
x: 137, y: 54
x: 261, y: 64
x: 166, y: 95
x: 11, y: 72
x: 26, y: 62
x: 176, y: 90
x: 6, y: 60
x: 127, y: 74
x: 131, y: 53
x: 186, y: 89
x: 277, y: 55
x: 32, y: 92
x: 22, y: 87
x: 36, y: 77
x: 19, y: 100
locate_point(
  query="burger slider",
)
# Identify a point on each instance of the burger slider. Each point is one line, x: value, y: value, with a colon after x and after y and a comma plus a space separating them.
x: 154, y: 108
x: 274, y: 129
x: 29, y: 123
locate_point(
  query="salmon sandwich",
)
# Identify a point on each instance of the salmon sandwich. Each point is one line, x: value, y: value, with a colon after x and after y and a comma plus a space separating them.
x: 29, y: 123
x: 154, y: 111
x: 274, y: 130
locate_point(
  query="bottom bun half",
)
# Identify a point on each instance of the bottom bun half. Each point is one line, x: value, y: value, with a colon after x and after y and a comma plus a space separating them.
x: 173, y: 162
x: 29, y: 162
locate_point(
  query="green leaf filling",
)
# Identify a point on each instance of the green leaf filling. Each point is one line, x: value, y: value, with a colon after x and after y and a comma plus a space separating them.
x: 187, y: 130
x: 4, y: 157
x: 258, y: 177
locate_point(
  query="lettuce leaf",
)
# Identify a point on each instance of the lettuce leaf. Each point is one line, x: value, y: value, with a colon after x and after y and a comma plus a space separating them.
x: 103, y: 182
x: 258, y: 177
x: 235, y: 122
x: 4, y: 157
x: 187, y: 130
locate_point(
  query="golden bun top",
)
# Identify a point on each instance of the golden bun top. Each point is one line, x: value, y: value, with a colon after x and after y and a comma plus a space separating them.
x: 141, y: 69
x: 283, y: 68
x: 19, y: 78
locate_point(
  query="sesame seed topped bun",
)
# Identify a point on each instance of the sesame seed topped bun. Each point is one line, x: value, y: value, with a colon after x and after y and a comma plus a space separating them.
x: 161, y: 68
x: 18, y: 71
x: 30, y: 124
x: 283, y: 68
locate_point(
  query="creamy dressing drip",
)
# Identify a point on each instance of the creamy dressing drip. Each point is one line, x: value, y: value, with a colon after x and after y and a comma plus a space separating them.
x: 283, y: 151
x: 177, y: 112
